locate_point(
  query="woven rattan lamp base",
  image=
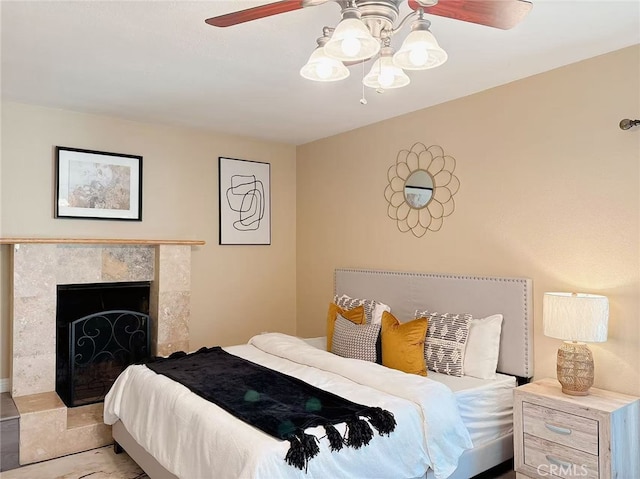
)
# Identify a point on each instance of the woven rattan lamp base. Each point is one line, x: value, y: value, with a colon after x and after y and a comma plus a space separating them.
x: 575, y: 368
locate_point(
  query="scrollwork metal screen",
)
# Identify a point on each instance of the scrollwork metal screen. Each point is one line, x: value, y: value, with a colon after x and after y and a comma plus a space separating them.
x: 101, y: 346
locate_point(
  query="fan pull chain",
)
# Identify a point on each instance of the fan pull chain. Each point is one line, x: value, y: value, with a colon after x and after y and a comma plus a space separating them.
x: 363, y: 100
x: 380, y: 89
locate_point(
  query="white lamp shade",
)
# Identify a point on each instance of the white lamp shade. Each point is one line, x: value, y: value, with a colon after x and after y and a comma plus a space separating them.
x: 575, y: 317
x: 385, y: 75
x: 420, y: 51
x: 352, y: 41
x: 321, y: 67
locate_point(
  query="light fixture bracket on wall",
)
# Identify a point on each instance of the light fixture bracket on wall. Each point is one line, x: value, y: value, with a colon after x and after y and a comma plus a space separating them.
x: 627, y: 124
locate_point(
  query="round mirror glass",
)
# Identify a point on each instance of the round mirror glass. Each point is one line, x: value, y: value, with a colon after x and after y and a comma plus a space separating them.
x: 418, y: 189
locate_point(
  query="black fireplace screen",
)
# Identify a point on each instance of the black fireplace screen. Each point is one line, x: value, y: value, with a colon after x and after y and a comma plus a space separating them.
x: 94, y: 349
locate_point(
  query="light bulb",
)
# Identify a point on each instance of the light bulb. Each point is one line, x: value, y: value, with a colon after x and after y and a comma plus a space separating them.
x: 386, y: 78
x: 351, y: 46
x: 384, y: 74
x: 419, y: 56
x: 420, y: 50
x: 351, y: 40
x: 323, y: 70
x: 321, y: 67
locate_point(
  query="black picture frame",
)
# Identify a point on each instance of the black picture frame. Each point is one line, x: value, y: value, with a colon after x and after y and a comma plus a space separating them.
x: 97, y: 185
x: 245, y: 202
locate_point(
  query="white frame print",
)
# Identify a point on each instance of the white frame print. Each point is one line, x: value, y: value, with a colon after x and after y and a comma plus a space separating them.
x: 98, y: 185
x: 245, y: 202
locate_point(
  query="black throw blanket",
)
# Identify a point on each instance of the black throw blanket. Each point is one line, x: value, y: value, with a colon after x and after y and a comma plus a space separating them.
x: 280, y: 405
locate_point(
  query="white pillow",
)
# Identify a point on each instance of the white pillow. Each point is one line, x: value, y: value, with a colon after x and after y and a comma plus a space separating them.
x: 372, y: 309
x: 379, y: 309
x: 483, y: 347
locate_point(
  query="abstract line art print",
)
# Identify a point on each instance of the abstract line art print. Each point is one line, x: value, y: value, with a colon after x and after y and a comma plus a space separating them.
x: 245, y: 209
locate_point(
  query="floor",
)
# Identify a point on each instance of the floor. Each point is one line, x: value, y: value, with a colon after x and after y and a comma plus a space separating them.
x: 99, y: 463
x: 503, y: 471
x: 102, y: 463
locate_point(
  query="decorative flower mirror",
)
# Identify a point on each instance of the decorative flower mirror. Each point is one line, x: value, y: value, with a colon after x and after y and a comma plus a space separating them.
x: 421, y: 188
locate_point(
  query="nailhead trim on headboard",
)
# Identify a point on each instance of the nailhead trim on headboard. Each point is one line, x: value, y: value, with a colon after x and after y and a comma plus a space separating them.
x: 520, y: 306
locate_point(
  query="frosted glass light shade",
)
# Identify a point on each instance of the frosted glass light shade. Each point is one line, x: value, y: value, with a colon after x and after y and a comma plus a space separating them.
x: 352, y: 41
x: 575, y: 317
x: 321, y: 67
x: 385, y: 75
x: 420, y: 51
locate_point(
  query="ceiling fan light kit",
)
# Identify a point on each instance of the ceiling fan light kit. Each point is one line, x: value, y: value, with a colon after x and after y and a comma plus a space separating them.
x: 358, y: 40
x: 366, y: 29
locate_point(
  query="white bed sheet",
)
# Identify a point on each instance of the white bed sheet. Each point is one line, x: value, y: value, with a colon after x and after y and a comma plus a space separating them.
x: 485, y: 405
x: 195, y: 439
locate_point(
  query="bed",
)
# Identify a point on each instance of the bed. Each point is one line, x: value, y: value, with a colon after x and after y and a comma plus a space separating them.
x: 170, y: 432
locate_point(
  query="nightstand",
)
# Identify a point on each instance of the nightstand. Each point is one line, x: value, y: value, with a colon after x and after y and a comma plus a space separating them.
x: 592, y: 437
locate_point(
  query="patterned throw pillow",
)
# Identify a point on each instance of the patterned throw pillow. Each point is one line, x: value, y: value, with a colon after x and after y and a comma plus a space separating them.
x: 355, y: 315
x: 355, y: 341
x: 446, y: 341
x: 372, y: 309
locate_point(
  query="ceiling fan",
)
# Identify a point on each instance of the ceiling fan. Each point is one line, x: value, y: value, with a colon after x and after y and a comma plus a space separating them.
x: 366, y: 29
x: 503, y: 14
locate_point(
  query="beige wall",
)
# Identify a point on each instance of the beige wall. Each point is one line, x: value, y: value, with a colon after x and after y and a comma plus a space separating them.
x: 237, y: 291
x: 549, y: 190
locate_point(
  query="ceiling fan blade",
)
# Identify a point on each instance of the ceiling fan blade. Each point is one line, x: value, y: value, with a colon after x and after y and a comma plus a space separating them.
x: 504, y: 14
x: 255, y: 13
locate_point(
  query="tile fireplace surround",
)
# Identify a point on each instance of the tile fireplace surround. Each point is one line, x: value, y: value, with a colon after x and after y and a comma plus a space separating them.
x: 47, y: 428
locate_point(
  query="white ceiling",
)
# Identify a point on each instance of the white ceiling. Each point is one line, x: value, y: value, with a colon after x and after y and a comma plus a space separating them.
x: 158, y: 61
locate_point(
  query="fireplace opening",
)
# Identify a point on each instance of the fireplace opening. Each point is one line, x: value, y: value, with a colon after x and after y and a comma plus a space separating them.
x: 101, y: 329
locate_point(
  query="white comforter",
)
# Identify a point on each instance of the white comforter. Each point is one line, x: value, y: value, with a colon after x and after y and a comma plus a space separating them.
x: 195, y: 439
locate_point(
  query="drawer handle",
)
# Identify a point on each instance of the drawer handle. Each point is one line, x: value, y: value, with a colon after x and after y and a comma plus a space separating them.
x: 557, y: 429
x: 563, y: 464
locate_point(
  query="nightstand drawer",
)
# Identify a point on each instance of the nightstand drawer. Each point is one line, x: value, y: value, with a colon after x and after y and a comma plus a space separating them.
x: 552, y: 459
x: 576, y: 432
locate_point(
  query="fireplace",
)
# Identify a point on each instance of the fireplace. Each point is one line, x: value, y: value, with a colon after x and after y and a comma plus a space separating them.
x: 48, y: 428
x: 101, y: 328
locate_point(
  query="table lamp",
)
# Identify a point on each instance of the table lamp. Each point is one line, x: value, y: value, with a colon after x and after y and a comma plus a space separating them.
x: 575, y: 318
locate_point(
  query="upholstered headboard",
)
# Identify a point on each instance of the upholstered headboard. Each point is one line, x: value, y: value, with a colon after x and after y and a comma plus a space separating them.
x: 478, y: 295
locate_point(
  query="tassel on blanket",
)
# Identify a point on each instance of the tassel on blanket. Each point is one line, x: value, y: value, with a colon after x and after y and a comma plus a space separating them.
x: 359, y: 433
x: 310, y: 445
x: 295, y: 454
x: 335, y: 439
x: 303, y: 448
x: 383, y: 421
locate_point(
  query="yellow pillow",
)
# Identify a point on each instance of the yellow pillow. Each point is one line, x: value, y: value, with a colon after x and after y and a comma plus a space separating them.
x: 403, y: 344
x: 355, y: 315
